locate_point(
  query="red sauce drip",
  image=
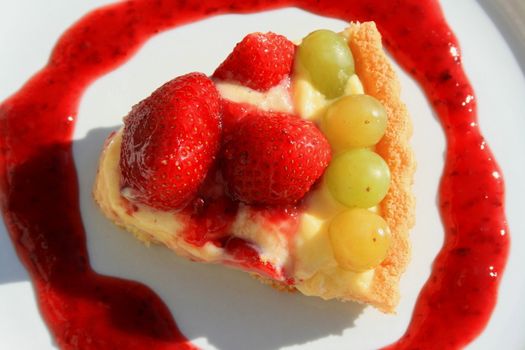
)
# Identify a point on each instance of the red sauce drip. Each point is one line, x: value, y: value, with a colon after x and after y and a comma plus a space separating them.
x: 211, y: 214
x: 39, y: 194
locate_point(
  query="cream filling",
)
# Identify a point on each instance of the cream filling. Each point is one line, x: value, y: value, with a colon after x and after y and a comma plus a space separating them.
x: 314, y: 267
x: 277, y: 99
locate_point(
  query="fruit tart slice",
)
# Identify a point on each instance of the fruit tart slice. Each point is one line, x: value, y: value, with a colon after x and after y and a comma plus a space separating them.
x: 289, y: 162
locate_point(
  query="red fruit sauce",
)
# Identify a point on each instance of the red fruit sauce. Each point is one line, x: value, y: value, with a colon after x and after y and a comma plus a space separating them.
x: 39, y: 194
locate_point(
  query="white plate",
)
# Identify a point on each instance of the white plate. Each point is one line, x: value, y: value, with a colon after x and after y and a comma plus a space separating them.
x: 224, y: 309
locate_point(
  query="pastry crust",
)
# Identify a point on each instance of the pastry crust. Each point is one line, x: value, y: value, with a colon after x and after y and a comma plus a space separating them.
x: 398, y: 208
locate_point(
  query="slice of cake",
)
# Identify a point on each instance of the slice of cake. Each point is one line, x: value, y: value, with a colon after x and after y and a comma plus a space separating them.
x: 291, y: 163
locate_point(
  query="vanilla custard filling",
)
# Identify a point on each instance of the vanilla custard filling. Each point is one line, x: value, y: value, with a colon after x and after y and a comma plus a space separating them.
x: 277, y: 99
x: 309, y: 254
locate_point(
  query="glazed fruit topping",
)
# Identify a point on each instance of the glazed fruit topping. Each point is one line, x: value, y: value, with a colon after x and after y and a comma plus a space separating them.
x: 172, y: 138
x: 358, y: 178
x: 354, y: 121
x: 360, y: 239
x: 328, y: 60
x: 273, y: 158
x: 170, y: 141
x: 260, y: 61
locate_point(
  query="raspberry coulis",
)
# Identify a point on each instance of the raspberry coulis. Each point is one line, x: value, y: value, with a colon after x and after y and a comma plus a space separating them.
x: 39, y: 194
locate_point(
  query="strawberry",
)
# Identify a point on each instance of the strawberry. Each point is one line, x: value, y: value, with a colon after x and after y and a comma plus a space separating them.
x: 259, y: 61
x: 242, y: 253
x: 232, y: 113
x: 273, y: 158
x: 170, y: 141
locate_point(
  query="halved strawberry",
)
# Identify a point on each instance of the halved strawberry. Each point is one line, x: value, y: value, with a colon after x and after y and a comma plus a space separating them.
x: 170, y: 141
x: 259, y: 61
x: 273, y: 158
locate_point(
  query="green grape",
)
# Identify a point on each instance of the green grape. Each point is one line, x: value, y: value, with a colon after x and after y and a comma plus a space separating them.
x: 358, y: 178
x: 327, y: 57
x: 360, y: 239
x: 354, y: 121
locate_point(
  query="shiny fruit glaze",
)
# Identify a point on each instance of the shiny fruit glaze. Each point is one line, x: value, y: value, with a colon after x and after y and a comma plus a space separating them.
x: 354, y: 121
x: 327, y: 58
x: 39, y: 194
x: 358, y: 178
